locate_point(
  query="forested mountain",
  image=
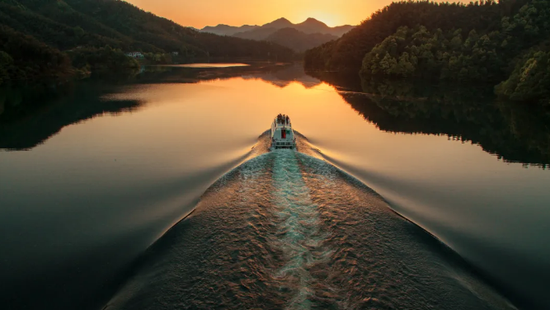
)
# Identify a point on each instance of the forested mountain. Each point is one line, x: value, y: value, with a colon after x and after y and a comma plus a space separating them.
x: 23, y: 57
x: 297, y: 40
x: 504, y: 42
x: 107, y: 27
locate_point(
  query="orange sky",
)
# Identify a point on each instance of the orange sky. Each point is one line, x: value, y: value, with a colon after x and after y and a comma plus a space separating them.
x: 200, y: 13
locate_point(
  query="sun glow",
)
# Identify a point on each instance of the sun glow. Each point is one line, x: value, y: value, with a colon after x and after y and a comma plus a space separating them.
x: 331, y: 19
x: 203, y: 13
x: 199, y: 14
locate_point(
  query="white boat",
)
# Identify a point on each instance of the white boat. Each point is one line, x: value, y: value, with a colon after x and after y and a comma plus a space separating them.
x: 282, y: 135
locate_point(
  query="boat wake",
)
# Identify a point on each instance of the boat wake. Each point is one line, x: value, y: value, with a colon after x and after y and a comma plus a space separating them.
x: 286, y: 230
x: 299, y: 235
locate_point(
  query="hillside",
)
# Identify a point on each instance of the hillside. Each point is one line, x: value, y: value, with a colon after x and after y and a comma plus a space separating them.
x: 504, y: 43
x: 309, y: 26
x: 297, y: 40
x: 23, y: 57
x: 76, y: 27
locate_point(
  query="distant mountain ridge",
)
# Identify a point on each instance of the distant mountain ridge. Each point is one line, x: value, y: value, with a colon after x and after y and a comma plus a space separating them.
x: 298, y: 40
x: 226, y: 30
x: 309, y: 26
x: 299, y: 37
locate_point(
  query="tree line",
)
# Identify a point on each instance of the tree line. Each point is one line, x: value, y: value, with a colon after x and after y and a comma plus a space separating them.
x: 504, y: 43
x: 76, y: 29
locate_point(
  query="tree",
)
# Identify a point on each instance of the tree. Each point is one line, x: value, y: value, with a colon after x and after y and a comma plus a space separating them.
x: 405, y: 67
x: 6, y: 64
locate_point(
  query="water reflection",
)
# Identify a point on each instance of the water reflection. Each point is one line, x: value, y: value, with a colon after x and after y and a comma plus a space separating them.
x: 28, y: 123
x: 511, y: 131
x: 282, y: 77
x: 98, y: 194
x: 514, y: 133
x: 210, y: 65
x: 493, y: 213
x: 277, y: 74
x: 29, y: 116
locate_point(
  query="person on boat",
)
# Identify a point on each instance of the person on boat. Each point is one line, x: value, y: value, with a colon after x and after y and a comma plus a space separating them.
x: 287, y: 120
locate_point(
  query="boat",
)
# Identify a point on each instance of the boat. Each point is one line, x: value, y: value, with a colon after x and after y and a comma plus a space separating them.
x: 282, y: 135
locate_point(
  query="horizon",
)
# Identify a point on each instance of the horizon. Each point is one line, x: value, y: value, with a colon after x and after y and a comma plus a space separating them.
x: 255, y: 12
x: 295, y: 23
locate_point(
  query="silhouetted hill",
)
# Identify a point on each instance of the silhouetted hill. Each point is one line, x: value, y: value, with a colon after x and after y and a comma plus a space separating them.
x: 309, y: 26
x: 278, y: 24
x: 298, y: 37
x: 258, y: 34
x: 298, y: 40
x: 65, y: 25
x: 341, y: 30
x: 226, y: 30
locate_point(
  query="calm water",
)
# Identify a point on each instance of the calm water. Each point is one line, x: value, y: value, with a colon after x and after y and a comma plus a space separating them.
x: 93, y: 178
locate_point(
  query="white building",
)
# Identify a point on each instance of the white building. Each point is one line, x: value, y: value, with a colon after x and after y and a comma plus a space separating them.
x: 135, y: 55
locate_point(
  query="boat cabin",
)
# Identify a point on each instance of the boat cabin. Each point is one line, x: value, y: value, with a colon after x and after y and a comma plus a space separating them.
x: 282, y: 135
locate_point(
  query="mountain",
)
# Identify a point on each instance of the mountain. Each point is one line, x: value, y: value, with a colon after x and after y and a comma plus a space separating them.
x: 66, y: 24
x: 341, y: 30
x: 278, y: 24
x: 298, y: 40
x: 298, y: 37
x: 226, y: 30
x: 309, y: 26
x: 258, y: 34
x: 103, y: 30
x: 503, y: 43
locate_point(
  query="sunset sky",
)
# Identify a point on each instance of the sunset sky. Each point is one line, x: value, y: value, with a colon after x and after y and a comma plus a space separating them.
x: 200, y: 13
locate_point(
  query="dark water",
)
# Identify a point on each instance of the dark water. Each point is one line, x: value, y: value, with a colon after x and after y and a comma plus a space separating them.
x: 94, y: 175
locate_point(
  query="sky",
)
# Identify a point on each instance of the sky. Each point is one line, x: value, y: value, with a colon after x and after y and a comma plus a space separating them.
x: 200, y: 13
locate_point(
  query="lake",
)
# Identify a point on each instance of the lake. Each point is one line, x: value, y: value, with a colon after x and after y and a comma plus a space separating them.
x: 97, y: 179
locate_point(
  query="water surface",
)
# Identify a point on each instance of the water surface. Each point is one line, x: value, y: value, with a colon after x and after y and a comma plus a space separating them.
x: 93, y: 177
x: 210, y: 65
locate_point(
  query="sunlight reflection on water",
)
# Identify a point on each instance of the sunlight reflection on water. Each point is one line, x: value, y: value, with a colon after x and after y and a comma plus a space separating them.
x: 209, y: 65
x: 135, y: 174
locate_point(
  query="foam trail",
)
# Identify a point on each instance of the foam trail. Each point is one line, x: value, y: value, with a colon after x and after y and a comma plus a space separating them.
x: 299, y: 233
